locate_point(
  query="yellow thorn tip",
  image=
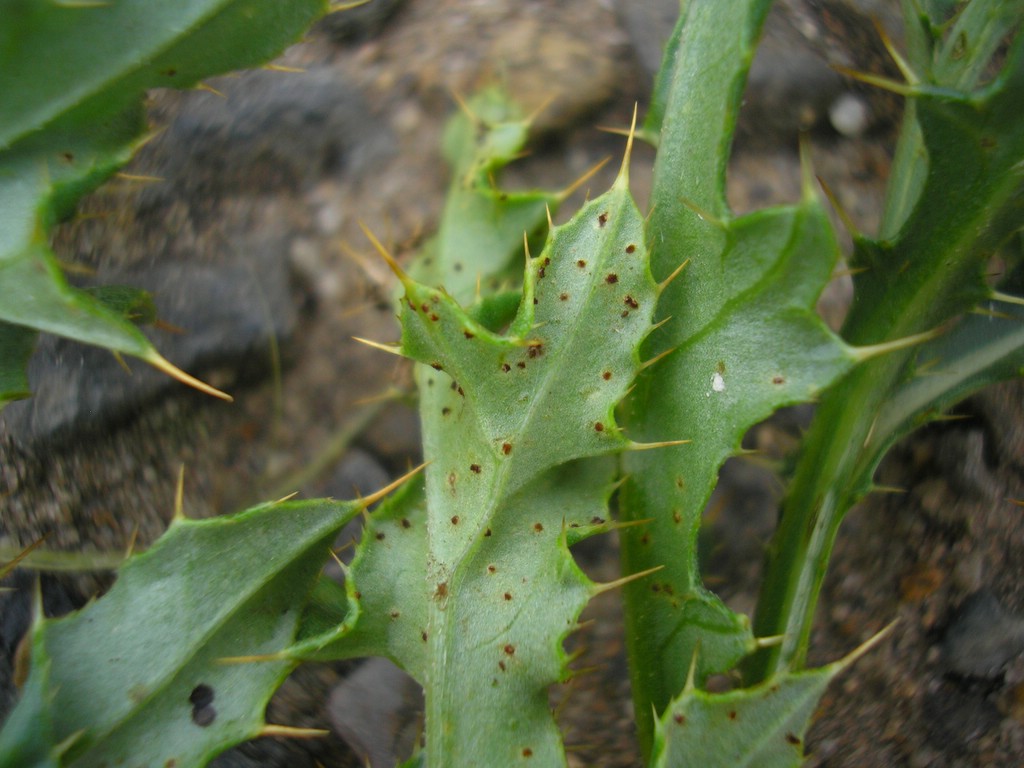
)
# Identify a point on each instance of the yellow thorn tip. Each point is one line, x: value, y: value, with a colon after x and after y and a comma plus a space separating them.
x: 607, y: 586
x: 399, y: 272
x: 155, y: 359
x: 623, y: 177
x: 392, y: 349
x: 378, y: 495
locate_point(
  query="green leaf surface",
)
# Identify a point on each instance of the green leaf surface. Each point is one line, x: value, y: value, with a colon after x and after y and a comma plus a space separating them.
x: 27, y: 739
x: 759, y: 727
x: 16, y: 345
x: 506, y: 494
x: 478, y: 246
x: 382, y: 609
x: 466, y: 580
x: 72, y: 82
x: 742, y: 339
x: 495, y: 512
x: 928, y: 273
x: 981, y: 350
x: 152, y: 650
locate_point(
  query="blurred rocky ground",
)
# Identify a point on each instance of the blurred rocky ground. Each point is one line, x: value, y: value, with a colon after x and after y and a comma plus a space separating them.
x: 251, y: 245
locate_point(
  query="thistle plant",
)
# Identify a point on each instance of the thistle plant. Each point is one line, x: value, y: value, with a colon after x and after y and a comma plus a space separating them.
x: 532, y: 342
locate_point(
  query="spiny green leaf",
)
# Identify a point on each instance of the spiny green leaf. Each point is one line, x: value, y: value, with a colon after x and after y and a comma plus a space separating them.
x: 922, y: 277
x: 152, y: 650
x: 494, y: 523
x: 382, y: 610
x: 69, y: 119
x: 505, y: 495
x: 983, y: 349
x: 742, y: 339
x: 479, y: 240
x: 758, y: 727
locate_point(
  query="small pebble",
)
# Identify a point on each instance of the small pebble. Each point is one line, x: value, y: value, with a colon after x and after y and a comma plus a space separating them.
x: 850, y: 115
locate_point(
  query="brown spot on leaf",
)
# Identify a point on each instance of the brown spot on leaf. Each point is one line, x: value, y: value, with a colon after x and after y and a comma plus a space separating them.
x: 606, y: 375
x: 474, y: 468
x: 506, y: 448
x: 380, y: 536
x: 793, y: 739
x: 442, y: 591
x: 598, y: 427
x: 602, y: 219
x: 508, y: 595
x: 630, y: 248
x: 612, y: 278
x: 630, y: 302
x: 581, y: 263
x: 538, y: 527
x: 455, y: 519
x: 510, y: 649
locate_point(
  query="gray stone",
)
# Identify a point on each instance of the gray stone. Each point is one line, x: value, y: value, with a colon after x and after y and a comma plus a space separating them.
x: 376, y: 710
x: 263, y: 131
x: 983, y: 638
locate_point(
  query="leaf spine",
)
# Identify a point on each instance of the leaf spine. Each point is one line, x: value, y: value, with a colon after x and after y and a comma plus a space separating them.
x: 601, y: 587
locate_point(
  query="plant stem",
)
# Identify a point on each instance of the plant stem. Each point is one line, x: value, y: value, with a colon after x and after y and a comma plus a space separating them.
x: 970, y: 201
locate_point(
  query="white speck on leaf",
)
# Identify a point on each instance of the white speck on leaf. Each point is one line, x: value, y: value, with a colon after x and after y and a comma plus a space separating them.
x: 717, y: 382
